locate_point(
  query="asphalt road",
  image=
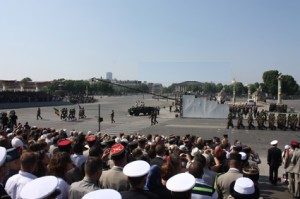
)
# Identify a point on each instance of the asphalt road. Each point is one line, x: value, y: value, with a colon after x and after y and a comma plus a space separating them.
x: 259, y: 140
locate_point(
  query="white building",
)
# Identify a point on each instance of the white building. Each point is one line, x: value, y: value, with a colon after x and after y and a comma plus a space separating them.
x: 109, y: 76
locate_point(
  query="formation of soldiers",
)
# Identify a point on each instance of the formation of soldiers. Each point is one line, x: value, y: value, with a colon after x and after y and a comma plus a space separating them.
x: 71, y: 114
x: 8, y: 120
x: 283, y: 121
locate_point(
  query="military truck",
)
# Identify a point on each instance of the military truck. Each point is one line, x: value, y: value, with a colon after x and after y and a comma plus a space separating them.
x: 145, y: 110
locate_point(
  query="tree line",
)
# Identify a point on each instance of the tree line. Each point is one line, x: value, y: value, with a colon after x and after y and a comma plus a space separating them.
x: 269, y: 85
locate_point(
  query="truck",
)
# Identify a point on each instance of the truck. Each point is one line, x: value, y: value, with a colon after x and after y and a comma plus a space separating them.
x: 145, y: 110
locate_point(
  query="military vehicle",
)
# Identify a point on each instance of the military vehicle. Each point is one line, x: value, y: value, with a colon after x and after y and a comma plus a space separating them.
x: 145, y: 110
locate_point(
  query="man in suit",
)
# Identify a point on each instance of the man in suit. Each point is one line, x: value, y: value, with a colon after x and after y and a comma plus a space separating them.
x: 274, y: 161
x: 159, y: 159
x: 223, y: 181
x: 114, y: 178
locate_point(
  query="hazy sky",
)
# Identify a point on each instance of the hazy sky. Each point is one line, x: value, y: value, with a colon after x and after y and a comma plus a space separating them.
x: 156, y: 41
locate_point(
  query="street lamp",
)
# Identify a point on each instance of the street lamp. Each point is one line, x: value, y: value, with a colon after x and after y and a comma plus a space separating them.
x: 249, y: 91
x: 279, y: 78
x: 233, y: 94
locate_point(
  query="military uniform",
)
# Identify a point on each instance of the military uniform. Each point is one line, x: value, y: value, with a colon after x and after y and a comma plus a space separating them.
x: 250, y: 121
x: 229, y: 120
x: 272, y: 121
x: 240, y: 120
x: 79, y: 189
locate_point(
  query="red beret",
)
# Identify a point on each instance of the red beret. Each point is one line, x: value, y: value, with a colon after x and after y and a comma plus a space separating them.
x: 186, y: 140
x: 172, y: 136
x: 91, y: 138
x: 64, y: 143
x: 294, y: 143
x: 117, y: 149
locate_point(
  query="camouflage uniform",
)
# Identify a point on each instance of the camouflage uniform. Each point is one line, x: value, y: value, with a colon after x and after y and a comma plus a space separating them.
x: 250, y: 121
x: 240, y: 120
x: 229, y: 120
x: 272, y: 121
x: 293, y: 122
x: 281, y: 121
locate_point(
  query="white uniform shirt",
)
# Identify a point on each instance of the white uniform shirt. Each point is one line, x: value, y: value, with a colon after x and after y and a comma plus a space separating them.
x: 15, y: 184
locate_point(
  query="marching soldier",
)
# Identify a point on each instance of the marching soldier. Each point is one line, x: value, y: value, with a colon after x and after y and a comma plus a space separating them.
x: 240, y: 120
x: 250, y: 121
x: 229, y: 120
x: 272, y: 121
x: 112, y: 115
x: 281, y: 121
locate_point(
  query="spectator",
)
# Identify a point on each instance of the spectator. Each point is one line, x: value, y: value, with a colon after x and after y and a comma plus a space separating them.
x: 93, y: 171
x: 154, y: 183
x: 115, y: 178
x: 59, y: 164
x: 223, y: 181
x: 181, y: 185
x: 15, y: 183
x: 137, y: 172
x: 201, y: 190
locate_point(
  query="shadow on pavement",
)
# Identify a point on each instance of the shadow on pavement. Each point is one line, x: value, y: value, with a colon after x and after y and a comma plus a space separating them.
x: 267, y: 190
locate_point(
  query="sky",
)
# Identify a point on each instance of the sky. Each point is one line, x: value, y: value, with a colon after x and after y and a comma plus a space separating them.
x: 156, y: 41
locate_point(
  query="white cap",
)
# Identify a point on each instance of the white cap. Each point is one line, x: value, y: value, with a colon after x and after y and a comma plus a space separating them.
x: 39, y: 188
x: 181, y: 182
x: 103, y: 193
x: 243, y: 155
x: 183, y: 148
x: 287, y: 147
x: 117, y: 140
x: 136, y: 168
x: 2, y: 155
x: 124, y: 140
x: 195, y: 151
x: 16, y: 143
x: 274, y: 142
x: 244, y: 186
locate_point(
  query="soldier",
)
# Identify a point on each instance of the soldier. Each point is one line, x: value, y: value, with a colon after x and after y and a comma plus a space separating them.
x: 281, y: 121
x: 112, y: 115
x: 293, y: 122
x: 38, y: 114
x: 152, y: 118
x: 250, y: 121
x: 289, y: 120
x: 229, y: 120
x: 240, y: 120
x: 260, y: 121
x: 272, y: 121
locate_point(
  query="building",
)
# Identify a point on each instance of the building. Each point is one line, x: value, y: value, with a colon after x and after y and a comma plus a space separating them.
x: 109, y: 76
x: 18, y: 86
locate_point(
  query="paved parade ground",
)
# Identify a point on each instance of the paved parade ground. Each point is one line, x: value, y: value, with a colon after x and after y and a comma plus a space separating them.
x: 258, y: 140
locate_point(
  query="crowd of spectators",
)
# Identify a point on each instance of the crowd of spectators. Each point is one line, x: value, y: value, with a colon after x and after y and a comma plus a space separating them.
x: 140, y: 166
x: 18, y: 96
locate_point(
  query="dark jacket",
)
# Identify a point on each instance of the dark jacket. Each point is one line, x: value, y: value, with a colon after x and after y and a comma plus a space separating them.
x: 274, y: 157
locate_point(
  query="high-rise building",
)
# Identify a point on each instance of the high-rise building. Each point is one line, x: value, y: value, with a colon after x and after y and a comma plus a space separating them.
x: 109, y: 76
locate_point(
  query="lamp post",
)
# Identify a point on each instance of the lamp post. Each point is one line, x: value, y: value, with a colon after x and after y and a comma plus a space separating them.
x: 249, y: 91
x: 279, y: 78
x: 233, y: 91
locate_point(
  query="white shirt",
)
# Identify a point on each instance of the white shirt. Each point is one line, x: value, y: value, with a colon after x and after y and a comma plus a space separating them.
x: 64, y: 188
x: 78, y: 160
x: 15, y: 184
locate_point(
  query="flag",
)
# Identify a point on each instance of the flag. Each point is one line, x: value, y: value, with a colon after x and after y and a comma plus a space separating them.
x: 56, y: 111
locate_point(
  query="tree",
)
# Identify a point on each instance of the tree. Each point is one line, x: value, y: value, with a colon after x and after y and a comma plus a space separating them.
x: 219, y: 87
x: 26, y: 79
x: 289, y: 85
x: 270, y: 81
x: 209, y: 88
